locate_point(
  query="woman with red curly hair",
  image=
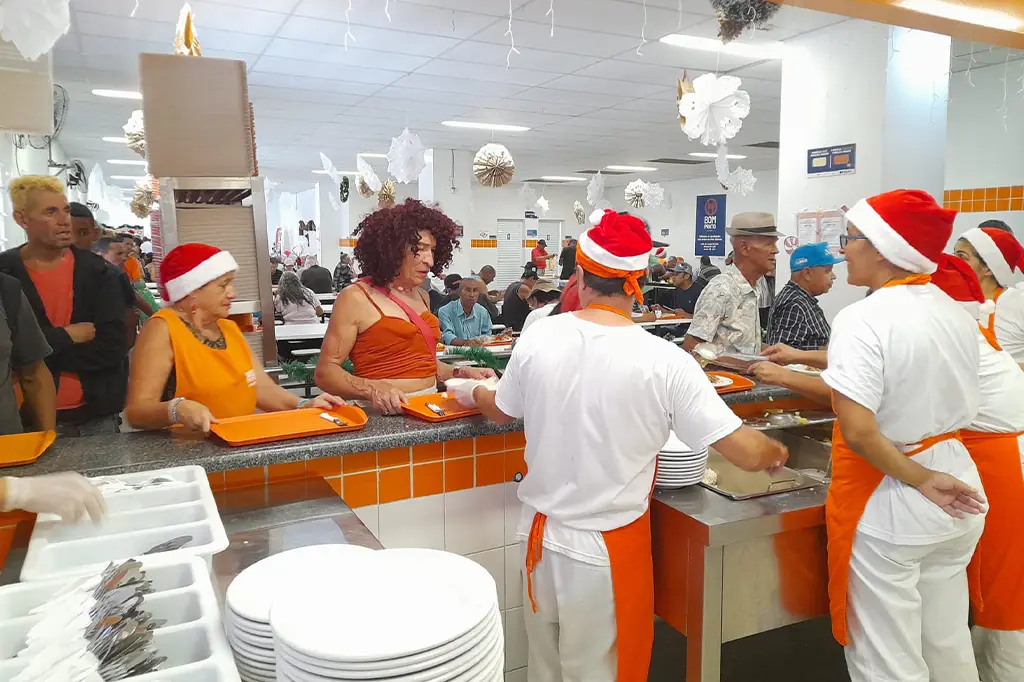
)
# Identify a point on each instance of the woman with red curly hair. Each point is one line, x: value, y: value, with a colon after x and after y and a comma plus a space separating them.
x: 383, y: 322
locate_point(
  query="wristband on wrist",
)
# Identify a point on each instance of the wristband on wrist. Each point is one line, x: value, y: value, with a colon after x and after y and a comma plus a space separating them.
x: 172, y: 410
x: 303, y: 402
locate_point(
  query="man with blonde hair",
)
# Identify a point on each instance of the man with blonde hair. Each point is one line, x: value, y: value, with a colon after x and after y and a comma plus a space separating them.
x: 86, y: 330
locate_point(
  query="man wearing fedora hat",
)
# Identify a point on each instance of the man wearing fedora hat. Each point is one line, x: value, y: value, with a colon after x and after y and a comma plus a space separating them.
x: 726, y: 314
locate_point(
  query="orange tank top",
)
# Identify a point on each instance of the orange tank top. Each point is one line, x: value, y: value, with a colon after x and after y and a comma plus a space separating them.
x: 55, y: 288
x: 393, y: 348
x: 223, y: 380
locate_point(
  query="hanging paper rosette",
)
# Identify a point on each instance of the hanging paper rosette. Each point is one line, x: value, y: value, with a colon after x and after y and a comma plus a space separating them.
x: 364, y: 189
x: 135, y: 133
x: 579, y: 212
x: 406, y: 157
x: 386, y: 198
x: 595, y: 190
x: 684, y: 86
x: 635, y: 193
x: 142, y: 198
x: 493, y: 165
x: 186, y: 42
x: 715, y: 110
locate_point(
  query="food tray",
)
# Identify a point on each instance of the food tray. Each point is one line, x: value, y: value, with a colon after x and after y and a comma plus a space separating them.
x: 135, y: 522
x: 275, y: 426
x: 24, y: 448
x: 417, y: 407
x: 183, y: 594
x: 738, y: 383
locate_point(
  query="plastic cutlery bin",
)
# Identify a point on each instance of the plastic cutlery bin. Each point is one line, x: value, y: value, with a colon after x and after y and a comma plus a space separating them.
x: 192, y: 639
x: 136, y: 521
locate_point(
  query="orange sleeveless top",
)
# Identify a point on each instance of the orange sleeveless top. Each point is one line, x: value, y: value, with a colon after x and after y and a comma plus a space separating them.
x: 223, y: 380
x: 393, y: 348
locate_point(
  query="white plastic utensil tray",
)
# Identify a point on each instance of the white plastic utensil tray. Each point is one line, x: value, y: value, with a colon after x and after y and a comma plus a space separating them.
x: 192, y: 639
x: 135, y: 522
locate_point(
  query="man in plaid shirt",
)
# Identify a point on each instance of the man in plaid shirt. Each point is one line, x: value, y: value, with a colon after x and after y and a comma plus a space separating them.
x: 796, y: 319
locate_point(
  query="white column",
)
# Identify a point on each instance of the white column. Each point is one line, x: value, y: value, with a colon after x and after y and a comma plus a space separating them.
x: 333, y: 225
x: 881, y: 88
x: 448, y: 181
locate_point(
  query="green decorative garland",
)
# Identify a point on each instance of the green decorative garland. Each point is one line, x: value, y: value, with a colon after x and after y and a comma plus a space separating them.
x: 480, y: 356
x: 305, y: 372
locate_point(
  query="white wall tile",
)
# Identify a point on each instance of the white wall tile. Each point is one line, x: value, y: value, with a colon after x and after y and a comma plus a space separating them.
x: 516, y: 675
x: 513, y: 577
x: 474, y: 519
x: 512, y: 508
x: 417, y: 522
x: 494, y: 561
x: 516, y: 649
x: 368, y: 515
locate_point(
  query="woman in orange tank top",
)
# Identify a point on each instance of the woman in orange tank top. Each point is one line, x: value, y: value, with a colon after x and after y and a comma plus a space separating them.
x: 192, y: 366
x: 383, y: 322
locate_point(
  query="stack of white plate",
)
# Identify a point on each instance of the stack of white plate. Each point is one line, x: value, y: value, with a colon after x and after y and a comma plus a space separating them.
x: 678, y: 465
x: 409, y: 615
x: 251, y: 593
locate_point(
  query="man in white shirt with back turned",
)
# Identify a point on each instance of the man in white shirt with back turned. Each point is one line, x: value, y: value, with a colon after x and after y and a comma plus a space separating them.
x: 599, y: 395
x: 904, y: 508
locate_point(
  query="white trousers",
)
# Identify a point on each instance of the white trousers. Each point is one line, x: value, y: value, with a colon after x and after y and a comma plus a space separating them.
x: 1000, y: 654
x: 572, y: 635
x: 907, y: 611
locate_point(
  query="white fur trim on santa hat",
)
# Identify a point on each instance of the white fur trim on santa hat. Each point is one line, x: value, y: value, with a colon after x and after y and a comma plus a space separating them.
x: 220, y: 263
x: 888, y: 241
x: 990, y: 253
x: 608, y: 259
x: 595, y: 216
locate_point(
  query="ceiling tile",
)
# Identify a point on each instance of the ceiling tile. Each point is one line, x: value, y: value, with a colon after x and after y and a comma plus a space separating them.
x: 464, y: 85
x: 636, y: 72
x: 497, y: 9
x: 613, y: 16
x: 295, y: 67
x: 663, y: 54
x: 412, y: 97
x: 336, y: 54
x: 302, y: 83
x: 550, y: 94
x: 555, y: 108
x: 405, y: 16
x: 260, y: 94
x: 485, y: 72
x: 366, y: 37
x: 532, y: 35
x: 535, y: 59
x: 602, y: 86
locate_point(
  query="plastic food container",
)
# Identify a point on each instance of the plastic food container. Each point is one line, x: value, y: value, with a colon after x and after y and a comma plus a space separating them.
x: 192, y: 639
x: 136, y: 521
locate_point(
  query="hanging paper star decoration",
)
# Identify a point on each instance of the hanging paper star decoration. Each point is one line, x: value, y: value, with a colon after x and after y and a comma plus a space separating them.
x: 493, y: 165
x: 740, y: 181
x: 368, y: 175
x: 595, y: 190
x: 405, y: 157
x: 336, y: 177
x: 364, y: 189
x: 528, y: 194
x: 135, y: 133
x: 715, y: 110
x: 542, y: 206
x: 684, y: 86
x: 579, y: 212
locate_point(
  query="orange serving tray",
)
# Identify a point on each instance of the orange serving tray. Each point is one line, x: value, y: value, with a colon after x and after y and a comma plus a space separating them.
x: 273, y: 426
x: 24, y: 448
x: 417, y: 407
x: 738, y: 383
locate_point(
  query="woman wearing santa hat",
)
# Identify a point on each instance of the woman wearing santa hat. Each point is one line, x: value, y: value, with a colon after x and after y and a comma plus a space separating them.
x: 994, y: 255
x: 192, y: 366
x: 998, y: 564
x: 592, y: 443
x: 904, y: 510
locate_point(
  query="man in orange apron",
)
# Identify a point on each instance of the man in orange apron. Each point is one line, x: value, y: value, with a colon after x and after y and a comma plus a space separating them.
x: 599, y: 396
x: 904, y: 510
x: 997, y: 569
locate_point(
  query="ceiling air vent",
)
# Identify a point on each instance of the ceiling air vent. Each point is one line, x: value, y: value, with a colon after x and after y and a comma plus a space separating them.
x: 603, y: 172
x: 681, y: 162
x: 542, y: 181
x: 764, y: 145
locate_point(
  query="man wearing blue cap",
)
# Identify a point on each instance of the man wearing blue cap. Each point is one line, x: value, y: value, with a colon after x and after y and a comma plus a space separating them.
x: 796, y: 319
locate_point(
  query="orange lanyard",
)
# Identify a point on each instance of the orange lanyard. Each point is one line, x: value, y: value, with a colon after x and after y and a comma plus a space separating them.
x: 989, y: 332
x: 913, y: 279
x: 599, y: 306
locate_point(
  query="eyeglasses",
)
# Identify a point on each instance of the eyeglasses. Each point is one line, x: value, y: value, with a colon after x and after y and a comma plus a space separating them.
x: 845, y: 239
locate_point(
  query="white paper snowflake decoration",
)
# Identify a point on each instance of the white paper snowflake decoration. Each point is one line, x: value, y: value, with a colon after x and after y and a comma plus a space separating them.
x: 528, y: 194
x: 722, y: 164
x: 335, y: 177
x: 34, y: 25
x: 635, y: 191
x: 542, y: 207
x: 715, y: 110
x: 368, y: 175
x: 741, y: 181
x: 654, y: 194
x: 405, y: 157
x: 595, y: 190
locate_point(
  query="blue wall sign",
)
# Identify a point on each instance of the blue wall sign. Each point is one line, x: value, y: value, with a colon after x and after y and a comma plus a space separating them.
x: 709, y: 237
x: 826, y: 161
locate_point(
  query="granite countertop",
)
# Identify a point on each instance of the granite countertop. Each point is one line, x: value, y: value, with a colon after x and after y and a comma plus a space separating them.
x: 108, y: 455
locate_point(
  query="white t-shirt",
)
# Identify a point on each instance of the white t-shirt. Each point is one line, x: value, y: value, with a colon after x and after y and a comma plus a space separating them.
x: 1002, y: 392
x: 598, y: 403
x: 1010, y: 323
x: 538, y: 314
x: 910, y: 355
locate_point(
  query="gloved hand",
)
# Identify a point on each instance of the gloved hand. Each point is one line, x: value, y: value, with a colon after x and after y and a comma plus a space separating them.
x: 69, y: 495
x: 462, y: 390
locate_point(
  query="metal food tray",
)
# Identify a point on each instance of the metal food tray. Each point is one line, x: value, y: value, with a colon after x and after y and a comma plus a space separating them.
x: 810, y: 417
x: 737, y: 484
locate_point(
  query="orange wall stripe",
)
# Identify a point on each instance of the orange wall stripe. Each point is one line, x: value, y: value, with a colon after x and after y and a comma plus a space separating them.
x: 985, y: 199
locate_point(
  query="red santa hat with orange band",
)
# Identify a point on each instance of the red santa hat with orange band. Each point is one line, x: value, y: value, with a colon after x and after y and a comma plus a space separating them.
x: 618, y: 246
x: 955, y: 277
x: 1000, y: 250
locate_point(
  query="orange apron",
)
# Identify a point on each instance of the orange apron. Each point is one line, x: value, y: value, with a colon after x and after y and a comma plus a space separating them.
x: 854, y: 481
x: 632, y: 568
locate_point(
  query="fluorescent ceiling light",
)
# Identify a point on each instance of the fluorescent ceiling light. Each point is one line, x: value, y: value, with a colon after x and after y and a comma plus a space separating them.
x: 119, y: 140
x: 373, y: 155
x: 128, y: 177
x: 120, y: 94
x: 127, y: 162
x: 501, y: 127
x: 968, y: 15
x: 323, y: 172
x: 562, y: 178
x: 712, y: 155
x: 753, y: 51
x: 631, y: 169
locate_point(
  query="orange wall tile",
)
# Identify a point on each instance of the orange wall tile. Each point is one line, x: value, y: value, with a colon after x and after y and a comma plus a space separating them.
x: 490, y: 469
x: 458, y: 474
x: 359, y: 461
x: 458, y: 448
x: 986, y: 199
x: 395, y: 484
x: 360, y: 490
x: 286, y: 472
x: 393, y: 458
x: 515, y: 464
x: 486, y: 444
x: 217, y: 480
x: 325, y: 467
x: 427, y: 479
x: 241, y: 478
x: 336, y: 483
x: 483, y: 243
x: 515, y: 440
x: 347, y: 242
x: 429, y: 452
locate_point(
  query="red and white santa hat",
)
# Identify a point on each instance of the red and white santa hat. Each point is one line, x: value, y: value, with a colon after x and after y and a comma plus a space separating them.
x: 907, y: 227
x: 189, y: 267
x: 955, y: 277
x: 617, y: 246
x: 1000, y: 250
